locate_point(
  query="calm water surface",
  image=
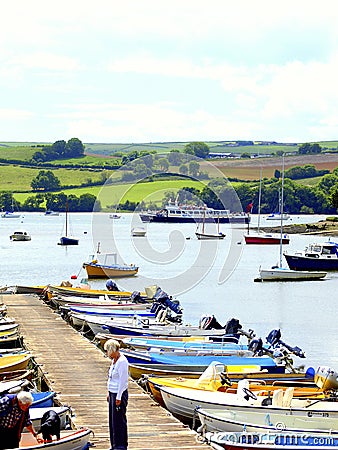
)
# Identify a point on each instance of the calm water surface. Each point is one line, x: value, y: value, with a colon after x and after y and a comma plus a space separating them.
x: 215, y: 277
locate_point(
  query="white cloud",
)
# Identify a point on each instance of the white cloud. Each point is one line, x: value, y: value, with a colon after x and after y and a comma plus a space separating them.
x: 15, y: 114
x: 44, y: 60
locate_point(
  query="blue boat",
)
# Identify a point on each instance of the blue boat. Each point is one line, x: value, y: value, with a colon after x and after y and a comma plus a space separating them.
x: 317, y: 256
x: 197, y: 359
x: 272, y: 440
x: 140, y: 343
x: 43, y: 399
x: 111, y: 312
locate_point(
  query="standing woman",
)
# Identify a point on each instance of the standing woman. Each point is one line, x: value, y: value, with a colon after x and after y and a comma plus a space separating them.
x: 117, y: 396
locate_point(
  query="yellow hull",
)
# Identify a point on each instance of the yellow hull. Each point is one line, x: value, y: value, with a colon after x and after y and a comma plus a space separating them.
x: 14, y: 362
x: 97, y: 271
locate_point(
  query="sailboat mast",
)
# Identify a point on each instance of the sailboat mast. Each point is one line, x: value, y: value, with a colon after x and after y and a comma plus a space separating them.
x: 281, y: 219
x: 66, y: 218
x: 259, y: 200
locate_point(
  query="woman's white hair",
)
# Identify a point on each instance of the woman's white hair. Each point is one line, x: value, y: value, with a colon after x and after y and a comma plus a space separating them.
x: 111, y: 345
x: 25, y: 398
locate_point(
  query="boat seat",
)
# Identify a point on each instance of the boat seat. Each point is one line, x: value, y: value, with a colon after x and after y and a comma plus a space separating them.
x: 240, y: 393
x: 277, y: 398
x: 287, y: 397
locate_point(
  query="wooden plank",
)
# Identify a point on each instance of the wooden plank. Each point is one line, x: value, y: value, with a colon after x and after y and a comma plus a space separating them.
x: 77, y: 370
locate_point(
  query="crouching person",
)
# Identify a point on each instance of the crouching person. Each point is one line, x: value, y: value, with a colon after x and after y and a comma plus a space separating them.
x: 14, y: 417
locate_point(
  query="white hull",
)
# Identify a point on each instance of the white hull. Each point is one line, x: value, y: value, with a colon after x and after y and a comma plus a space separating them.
x: 70, y: 440
x: 281, y: 274
x: 138, y: 232
x: 278, y: 216
x: 181, y: 402
x: 20, y: 236
x: 231, y: 421
x: 63, y: 412
x: 205, y: 236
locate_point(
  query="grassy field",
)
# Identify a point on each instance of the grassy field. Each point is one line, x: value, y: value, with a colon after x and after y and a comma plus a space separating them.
x: 17, y: 179
x: 14, y: 178
x: 119, y: 193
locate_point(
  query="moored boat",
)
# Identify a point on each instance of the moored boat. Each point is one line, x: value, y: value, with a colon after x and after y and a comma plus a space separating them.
x: 105, y: 265
x: 285, y: 274
x: 20, y: 235
x: 174, y: 212
x: 278, y: 439
x: 69, y: 440
x: 182, y: 402
x: 16, y: 361
x: 138, y: 232
x: 317, y: 256
x: 224, y: 419
x: 278, y: 216
x: 266, y: 238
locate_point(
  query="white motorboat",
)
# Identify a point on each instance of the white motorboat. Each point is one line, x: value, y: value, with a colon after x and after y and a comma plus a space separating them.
x: 284, y: 274
x: 278, y: 216
x: 69, y: 440
x: 20, y: 235
x: 231, y: 420
x: 182, y: 402
x: 138, y: 231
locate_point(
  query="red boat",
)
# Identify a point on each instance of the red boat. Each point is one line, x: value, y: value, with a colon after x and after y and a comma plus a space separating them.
x: 266, y: 239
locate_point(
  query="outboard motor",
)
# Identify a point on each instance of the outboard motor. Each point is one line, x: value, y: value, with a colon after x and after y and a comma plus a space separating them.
x: 210, y: 323
x: 111, y: 286
x: 136, y: 297
x: 232, y: 326
x: 273, y: 337
x: 256, y: 346
x: 162, y: 298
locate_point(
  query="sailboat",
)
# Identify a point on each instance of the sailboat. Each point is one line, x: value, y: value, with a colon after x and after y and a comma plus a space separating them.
x: 67, y: 240
x: 203, y: 235
x: 264, y: 238
x: 280, y: 273
x: 11, y: 214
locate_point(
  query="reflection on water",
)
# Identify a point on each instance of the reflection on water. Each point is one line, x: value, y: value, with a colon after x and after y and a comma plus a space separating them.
x: 172, y: 257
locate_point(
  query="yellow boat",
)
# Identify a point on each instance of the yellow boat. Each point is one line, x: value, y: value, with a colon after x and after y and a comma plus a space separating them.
x: 213, y: 379
x: 17, y: 361
x: 105, y: 265
x: 9, y: 330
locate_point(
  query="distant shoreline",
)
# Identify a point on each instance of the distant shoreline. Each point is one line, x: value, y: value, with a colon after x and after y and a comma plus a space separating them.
x: 323, y: 227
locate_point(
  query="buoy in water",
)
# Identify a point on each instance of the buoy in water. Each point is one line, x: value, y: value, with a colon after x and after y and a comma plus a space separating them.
x: 73, y: 277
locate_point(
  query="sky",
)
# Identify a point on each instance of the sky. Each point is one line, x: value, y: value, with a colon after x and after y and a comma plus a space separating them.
x: 138, y: 71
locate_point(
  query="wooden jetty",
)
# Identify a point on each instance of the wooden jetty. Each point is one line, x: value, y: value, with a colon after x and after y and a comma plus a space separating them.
x: 77, y: 371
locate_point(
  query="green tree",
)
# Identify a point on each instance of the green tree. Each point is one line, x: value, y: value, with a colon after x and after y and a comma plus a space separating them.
x: 87, y: 202
x: 194, y: 168
x: 328, y: 182
x: 164, y: 164
x: 45, y: 181
x: 6, y: 201
x: 59, y: 148
x: 308, y: 148
x: 183, y: 169
x: 34, y: 203
x: 174, y: 157
x: 198, y: 149
x: 334, y: 197
x: 74, y: 148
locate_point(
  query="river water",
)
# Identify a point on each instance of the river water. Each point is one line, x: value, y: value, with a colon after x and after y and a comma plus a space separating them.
x: 215, y: 277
